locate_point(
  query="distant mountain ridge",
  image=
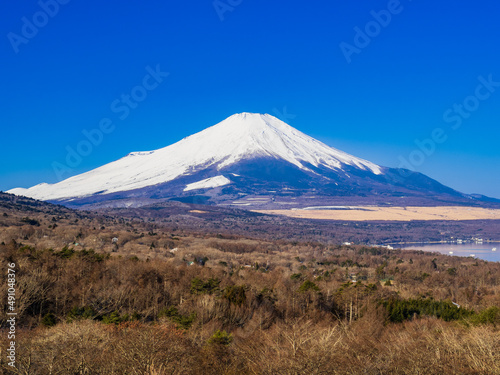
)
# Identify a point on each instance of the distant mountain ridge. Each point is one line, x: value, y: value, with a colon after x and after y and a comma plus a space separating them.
x: 247, y: 160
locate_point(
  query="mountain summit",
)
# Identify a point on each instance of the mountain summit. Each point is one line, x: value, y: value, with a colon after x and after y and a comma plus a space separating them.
x: 248, y: 159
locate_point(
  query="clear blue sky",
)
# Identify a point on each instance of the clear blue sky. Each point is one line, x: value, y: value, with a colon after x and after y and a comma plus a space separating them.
x: 253, y: 56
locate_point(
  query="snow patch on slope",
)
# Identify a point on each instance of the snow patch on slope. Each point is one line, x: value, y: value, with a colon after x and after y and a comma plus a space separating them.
x: 208, y: 183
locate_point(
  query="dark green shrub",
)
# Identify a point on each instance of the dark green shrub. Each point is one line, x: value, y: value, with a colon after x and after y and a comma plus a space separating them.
x: 199, y: 286
x: 221, y: 338
x: 400, y: 310
x: 65, y: 253
x: 30, y: 221
x: 308, y: 285
x: 49, y: 320
x: 77, y: 313
x: 114, y: 318
x: 182, y: 321
x: 490, y: 315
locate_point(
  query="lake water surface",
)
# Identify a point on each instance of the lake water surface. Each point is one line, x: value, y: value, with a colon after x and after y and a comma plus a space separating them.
x: 481, y: 251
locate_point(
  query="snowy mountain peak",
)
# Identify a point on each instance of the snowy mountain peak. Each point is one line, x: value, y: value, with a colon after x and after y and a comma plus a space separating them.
x: 257, y: 126
x: 254, y: 123
x: 240, y: 137
x: 253, y: 134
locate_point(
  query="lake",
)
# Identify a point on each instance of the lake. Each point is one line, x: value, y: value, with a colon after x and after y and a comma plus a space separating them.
x: 481, y: 251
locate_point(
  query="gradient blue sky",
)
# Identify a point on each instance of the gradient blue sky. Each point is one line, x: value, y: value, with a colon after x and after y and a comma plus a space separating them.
x: 262, y: 57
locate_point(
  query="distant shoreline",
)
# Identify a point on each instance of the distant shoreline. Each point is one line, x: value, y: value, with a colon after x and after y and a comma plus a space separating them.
x: 442, y: 243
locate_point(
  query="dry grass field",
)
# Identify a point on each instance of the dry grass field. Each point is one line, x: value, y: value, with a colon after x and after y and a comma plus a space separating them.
x: 372, y: 213
x: 105, y: 294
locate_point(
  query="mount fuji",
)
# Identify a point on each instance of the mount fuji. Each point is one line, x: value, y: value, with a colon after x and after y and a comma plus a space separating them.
x: 250, y: 160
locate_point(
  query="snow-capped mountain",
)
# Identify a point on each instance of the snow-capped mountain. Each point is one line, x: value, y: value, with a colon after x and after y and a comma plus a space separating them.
x: 247, y: 156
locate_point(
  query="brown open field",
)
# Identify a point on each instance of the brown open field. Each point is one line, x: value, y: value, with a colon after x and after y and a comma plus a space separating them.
x: 370, y: 213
